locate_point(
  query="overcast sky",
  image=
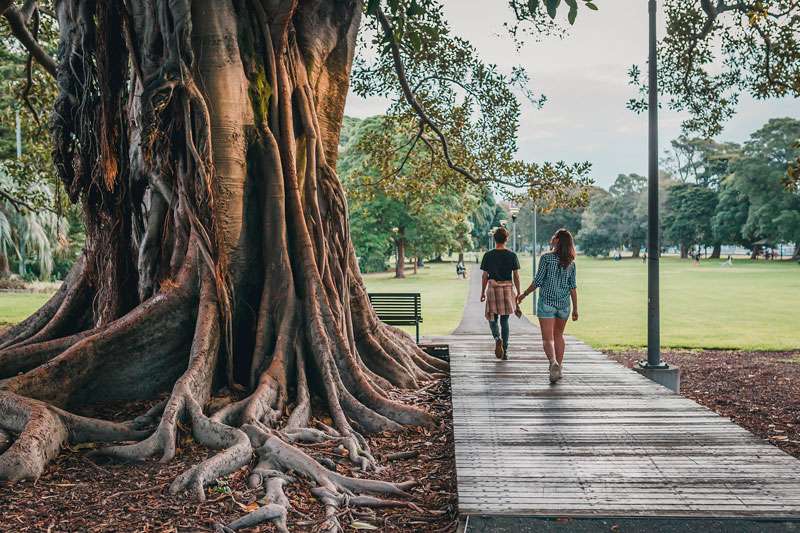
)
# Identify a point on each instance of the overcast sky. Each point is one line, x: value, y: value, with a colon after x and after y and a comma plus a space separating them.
x: 584, y: 77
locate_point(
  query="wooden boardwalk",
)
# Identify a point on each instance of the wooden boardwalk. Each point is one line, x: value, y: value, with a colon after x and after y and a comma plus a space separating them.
x: 604, y: 441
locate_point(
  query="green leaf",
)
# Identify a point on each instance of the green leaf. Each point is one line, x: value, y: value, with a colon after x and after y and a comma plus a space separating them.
x: 372, y: 6
x: 533, y: 5
x: 573, y: 10
x: 591, y: 5
x: 552, y: 7
x: 415, y: 9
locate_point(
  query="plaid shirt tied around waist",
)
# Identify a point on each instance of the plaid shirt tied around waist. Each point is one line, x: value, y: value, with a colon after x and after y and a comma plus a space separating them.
x: 500, y: 299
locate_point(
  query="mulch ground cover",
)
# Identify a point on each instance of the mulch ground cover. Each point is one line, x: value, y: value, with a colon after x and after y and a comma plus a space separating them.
x: 81, y: 492
x: 760, y: 391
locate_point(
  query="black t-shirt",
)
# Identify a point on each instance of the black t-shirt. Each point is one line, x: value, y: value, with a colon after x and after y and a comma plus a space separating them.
x: 500, y: 264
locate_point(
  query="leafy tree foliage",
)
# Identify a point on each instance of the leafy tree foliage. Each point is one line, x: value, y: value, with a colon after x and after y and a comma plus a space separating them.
x: 413, y: 204
x: 687, y: 220
x: 773, y: 212
x: 615, y: 219
x: 715, y: 50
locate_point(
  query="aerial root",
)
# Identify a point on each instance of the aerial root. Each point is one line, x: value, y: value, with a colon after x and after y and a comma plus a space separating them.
x: 42, y: 430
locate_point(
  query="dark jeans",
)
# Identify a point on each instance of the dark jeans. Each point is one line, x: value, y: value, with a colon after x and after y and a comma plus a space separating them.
x: 503, y: 328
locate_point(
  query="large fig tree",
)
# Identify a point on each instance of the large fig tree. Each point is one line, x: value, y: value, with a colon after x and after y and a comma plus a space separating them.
x: 200, y: 138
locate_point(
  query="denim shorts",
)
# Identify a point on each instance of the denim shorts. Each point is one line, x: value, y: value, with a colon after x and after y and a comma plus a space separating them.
x: 544, y: 310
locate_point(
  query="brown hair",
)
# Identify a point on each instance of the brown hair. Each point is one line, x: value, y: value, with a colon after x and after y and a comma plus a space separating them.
x: 565, y: 247
x: 500, y: 235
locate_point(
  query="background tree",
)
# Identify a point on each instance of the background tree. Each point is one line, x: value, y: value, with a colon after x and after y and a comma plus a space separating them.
x: 773, y: 211
x: 422, y: 205
x: 200, y: 139
x: 615, y: 219
x: 705, y: 163
x: 687, y: 217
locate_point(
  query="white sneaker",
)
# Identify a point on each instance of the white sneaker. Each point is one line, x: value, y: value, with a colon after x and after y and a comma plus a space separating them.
x: 555, y: 372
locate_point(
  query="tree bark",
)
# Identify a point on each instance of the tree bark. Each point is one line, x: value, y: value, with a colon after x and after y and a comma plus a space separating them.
x: 209, y: 190
x: 684, y: 251
x: 5, y: 267
x: 400, y: 258
x: 716, y: 252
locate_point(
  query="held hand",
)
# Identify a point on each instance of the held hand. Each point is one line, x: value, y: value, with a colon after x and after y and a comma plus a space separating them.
x: 520, y: 297
x: 483, y: 297
x: 574, y: 315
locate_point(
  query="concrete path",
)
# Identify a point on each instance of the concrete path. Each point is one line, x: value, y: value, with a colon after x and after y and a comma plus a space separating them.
x: 603, y: 442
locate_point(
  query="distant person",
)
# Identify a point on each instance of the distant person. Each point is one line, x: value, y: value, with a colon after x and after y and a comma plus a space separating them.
x: 728, y: 262
x: 461, y: 270
x: 644, y: 257
x: 696, y: 258
x: 500, y: 280
x: 555, y: 278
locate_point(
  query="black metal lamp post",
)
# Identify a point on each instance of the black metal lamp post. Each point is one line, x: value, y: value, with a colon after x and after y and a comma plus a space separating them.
x: 653, y: 248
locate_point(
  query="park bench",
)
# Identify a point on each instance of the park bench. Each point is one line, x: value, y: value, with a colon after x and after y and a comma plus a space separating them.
x: 398, y: 308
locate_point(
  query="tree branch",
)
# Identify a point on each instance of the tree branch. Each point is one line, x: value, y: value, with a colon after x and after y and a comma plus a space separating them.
x: 16, y: 203
x: 412, y: 100
x: 4, y: 5
x: 16, y: 21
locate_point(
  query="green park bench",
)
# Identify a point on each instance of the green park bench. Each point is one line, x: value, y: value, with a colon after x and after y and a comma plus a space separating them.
x: 398, y: 308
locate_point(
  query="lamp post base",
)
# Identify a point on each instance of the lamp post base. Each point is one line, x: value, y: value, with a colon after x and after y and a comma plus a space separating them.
x: 663, y: 374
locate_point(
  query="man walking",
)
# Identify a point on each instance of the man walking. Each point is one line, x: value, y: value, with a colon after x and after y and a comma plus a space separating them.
x: 500, y: 279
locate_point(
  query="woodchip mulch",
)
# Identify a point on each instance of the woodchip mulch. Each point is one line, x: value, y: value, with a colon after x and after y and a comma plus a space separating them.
x: 80, y: 492
x: 760, y: 391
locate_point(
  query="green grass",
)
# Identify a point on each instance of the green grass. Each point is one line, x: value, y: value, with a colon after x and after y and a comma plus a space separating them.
x: 443, y: 295
x: 16, y: 306
x: 751, y: 305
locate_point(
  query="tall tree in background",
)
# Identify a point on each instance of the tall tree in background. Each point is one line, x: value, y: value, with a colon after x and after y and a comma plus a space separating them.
x: 773, y: 212
x: 411, y: 197
x: 615, y: 219
x: 705, y: 163
x: 688, y: 214
x: 200, y: 139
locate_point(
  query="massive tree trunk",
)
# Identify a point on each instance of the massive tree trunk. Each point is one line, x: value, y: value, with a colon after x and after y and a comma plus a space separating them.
x: 716, y: 251
x: 200, y: 138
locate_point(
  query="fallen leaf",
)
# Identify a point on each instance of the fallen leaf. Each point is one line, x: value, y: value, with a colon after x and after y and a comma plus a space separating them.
x: 363, y: 525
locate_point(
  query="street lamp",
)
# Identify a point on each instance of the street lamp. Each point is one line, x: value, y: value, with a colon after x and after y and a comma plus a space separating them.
x: 653, y: 251
x: 535, y: 245
x: 514, y: 211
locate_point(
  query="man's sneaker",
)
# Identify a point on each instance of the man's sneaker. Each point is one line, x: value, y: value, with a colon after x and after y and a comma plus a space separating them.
x: 499, y: 352
x: 555, y: 372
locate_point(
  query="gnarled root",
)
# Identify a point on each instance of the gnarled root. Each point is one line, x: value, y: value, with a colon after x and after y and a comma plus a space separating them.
x: 276, y: 457
x: 42, y: 430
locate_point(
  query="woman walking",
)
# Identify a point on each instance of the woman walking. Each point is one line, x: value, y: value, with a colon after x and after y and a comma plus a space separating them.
x: 555, y: 278
x: 500, y: 277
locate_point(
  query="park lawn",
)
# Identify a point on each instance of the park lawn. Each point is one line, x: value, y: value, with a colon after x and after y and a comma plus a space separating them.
x: 16, y: 306
x: 443, y: 294
x: 751, y: 305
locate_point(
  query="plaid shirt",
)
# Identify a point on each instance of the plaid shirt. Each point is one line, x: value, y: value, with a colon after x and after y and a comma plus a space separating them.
x: 554, y: 283
x: 500, y: 299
